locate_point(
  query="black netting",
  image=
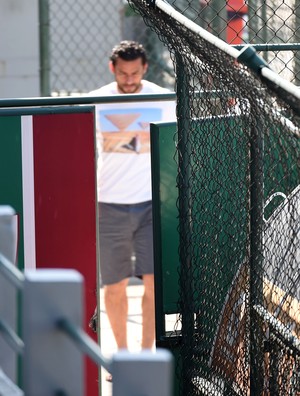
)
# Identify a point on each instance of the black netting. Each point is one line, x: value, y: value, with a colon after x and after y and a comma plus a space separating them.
x: 239, y: 208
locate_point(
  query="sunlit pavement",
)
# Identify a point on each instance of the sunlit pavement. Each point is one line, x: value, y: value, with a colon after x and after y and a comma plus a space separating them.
x: 134, y: 326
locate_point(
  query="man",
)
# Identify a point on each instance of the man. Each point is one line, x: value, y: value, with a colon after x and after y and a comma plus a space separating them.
x: 124, y: 189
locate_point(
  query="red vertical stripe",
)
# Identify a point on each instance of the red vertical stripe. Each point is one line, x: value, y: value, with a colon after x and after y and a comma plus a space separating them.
x: 65, y: 203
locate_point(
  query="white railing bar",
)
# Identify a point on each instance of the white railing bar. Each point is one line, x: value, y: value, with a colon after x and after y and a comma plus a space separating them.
x: 281, y: 82
x: 85, y: 343
x: 11, y: 273
x: 11, y: 337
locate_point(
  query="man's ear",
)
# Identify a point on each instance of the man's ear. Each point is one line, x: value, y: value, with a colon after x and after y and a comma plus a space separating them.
x: 145, y: 68
x: 111, y: 67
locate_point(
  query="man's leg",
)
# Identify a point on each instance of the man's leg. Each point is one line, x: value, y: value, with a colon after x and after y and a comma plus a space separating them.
x: 116, y: 305
x: 148, y: 312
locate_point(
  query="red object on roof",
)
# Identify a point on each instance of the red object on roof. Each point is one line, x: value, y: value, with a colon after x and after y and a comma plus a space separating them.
x: 237, y: 15
x: 238, y: 6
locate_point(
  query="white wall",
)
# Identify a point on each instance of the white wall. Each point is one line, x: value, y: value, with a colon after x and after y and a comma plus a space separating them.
x: 81, y: 39
x: 19, y: 48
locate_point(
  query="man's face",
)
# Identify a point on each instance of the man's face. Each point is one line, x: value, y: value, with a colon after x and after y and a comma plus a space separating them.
x: 128, y: 75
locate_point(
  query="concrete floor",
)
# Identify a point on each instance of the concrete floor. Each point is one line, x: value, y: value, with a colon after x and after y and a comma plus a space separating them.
x: 135, y: 291
x: 134, y: 326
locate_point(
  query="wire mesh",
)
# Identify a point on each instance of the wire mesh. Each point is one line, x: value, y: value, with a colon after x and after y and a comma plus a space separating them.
x: 79, y: 35
x: 256, y: 22
x: 238, y: 206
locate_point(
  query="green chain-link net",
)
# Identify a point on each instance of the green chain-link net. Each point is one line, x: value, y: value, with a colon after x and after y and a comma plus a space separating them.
x: 237, y: 153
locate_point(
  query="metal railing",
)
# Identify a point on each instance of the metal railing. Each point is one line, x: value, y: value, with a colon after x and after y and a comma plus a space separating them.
x: 53, y: 342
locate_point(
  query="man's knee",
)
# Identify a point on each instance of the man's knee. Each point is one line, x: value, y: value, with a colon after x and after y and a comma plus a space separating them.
x: 116, y: 289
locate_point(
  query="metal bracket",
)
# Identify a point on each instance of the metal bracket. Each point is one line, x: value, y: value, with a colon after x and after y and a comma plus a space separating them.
x: 151, y: 3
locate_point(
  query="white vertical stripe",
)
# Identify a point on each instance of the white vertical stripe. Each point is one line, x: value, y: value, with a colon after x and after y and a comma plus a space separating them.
x: 28, y: 192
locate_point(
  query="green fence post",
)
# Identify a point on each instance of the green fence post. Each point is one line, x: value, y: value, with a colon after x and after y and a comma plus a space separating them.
x: 296, y: 53
x: 184, y: 202
x: 44, y: 28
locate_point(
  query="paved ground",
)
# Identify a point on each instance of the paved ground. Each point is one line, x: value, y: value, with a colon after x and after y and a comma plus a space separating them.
x: 134, y: 325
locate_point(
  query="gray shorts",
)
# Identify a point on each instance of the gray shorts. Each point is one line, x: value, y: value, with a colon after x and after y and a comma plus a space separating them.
x: 124, y: 231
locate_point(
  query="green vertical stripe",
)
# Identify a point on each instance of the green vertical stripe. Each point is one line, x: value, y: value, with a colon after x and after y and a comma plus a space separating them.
x: 11, y: 172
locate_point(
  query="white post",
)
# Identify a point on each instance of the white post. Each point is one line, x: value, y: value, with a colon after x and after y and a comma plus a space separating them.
x: 142, y: 374
x: 52, y: 363
x: 8, y: 293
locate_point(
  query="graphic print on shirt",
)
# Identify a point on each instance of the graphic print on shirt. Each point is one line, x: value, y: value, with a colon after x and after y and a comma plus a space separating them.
x: 127, y: 130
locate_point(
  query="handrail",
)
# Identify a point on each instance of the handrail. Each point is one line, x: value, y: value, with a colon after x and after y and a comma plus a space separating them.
x: 271, y: 46
x: 86, y: 344
x: 84, y: 99
x: 11, y: 337
x: 47, y: 314
x: 9, y: 106
x: 11, y: 273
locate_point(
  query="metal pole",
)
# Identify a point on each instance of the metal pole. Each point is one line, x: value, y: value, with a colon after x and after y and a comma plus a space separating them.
x: 44, y: 29
x: 297, y: 40
x: 184, y: 207
x: 80, y: 100
x: 264, y: 19
x: 11, y: 273
x: 86, y: 344
x: 11, y: 337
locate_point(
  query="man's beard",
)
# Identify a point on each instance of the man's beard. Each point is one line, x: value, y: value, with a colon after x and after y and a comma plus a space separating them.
x: 130, y: 88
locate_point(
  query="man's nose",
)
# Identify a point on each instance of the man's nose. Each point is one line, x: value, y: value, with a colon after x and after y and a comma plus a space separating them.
x: 129, y: 79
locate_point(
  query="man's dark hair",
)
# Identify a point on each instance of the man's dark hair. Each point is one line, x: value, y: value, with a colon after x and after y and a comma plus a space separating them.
x: 128, y: 51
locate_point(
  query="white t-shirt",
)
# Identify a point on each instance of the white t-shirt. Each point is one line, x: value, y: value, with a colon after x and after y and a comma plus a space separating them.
x: 123, y: 144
